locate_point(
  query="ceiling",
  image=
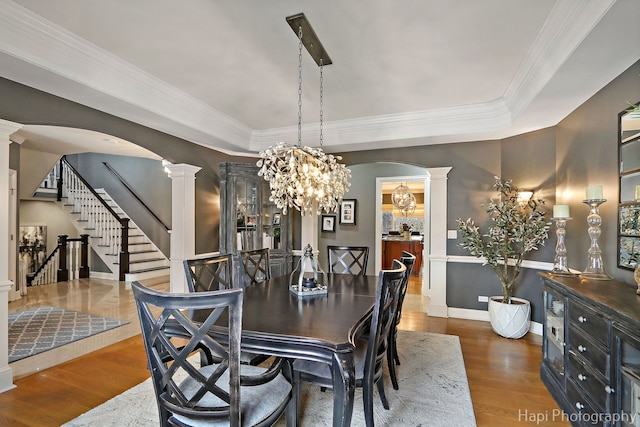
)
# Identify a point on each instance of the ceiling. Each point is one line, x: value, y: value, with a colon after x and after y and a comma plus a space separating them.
x: 224, y: 74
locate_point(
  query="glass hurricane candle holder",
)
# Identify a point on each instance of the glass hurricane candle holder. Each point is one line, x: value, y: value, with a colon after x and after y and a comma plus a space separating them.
x: 560, y: 267
x: 595, y: 268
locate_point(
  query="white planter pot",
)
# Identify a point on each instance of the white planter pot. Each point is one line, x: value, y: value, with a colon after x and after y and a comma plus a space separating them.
x: 509, y: 320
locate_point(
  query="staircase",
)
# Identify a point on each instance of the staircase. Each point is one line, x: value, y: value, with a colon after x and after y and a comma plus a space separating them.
x: 91, y: 216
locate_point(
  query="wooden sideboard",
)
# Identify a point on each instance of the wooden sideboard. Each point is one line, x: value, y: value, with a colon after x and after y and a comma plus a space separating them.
x: 591, y: 350
x: 392, y: 249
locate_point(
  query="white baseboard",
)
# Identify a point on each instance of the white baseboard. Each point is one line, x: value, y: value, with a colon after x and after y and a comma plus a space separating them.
x: 483, y: 315
x: 6, y: 379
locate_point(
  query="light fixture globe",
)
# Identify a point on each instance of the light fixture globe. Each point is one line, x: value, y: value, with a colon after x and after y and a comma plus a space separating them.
x: 401, y: 197
x: 411, y: 208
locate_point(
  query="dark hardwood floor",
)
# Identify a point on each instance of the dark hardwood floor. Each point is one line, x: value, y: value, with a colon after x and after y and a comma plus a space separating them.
x: 503, y: 374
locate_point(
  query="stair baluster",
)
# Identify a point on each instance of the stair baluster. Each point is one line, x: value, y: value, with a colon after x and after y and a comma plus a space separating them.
x: 87, y: 202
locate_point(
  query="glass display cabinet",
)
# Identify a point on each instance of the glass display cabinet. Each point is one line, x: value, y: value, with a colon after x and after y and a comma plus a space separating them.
x: 554, y: 342
x: 629, y: 206
x: 628, y: 377
x: 248, y: 219
x: 591, y: 350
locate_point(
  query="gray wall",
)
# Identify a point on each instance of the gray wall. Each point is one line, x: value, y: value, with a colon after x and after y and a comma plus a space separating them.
x: 558, y: 163
x: 363, y: 189
x: 26, y: 105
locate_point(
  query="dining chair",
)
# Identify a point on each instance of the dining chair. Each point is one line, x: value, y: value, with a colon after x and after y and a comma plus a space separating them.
x: 190, y: 392
x: 214, y: 273
x: 348, y: 259
x: 369, y: 352
x: 256, y: 265
x: 408, y: 259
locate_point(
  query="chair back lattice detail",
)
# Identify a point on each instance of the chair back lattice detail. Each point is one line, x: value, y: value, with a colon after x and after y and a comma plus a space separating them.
x: 216, y: 390
x: 209, y: 274
x: 370, y: 351
x: 256, y: 265
x: 383, y: 319
x: 409, y: 261
x: 168, y: 360
x: 348, y: 259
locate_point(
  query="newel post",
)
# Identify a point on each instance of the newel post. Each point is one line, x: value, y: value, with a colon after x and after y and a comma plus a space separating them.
x: 63, y: 271
x: 124, y: 249
x: 84, y: 256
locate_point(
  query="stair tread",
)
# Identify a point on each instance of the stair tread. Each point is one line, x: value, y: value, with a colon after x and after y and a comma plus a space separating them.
x: 140, y: 261
x: 149, y: 269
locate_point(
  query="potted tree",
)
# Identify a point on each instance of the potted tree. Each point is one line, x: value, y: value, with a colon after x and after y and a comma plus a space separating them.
x: 516, y: 228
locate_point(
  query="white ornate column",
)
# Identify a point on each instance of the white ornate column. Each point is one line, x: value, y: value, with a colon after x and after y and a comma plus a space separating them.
x: 183, y: 225
x: 438, y: 243
x: 6, y: 285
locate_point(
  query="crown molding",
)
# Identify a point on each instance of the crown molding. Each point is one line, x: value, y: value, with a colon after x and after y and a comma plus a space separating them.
x: 455, y: 120
x: 568, y: 24
x: 28, y: 37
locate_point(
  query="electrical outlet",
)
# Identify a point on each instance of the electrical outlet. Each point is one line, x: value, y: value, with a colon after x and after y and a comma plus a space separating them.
x: 452, y: 234
x: 483, y: 298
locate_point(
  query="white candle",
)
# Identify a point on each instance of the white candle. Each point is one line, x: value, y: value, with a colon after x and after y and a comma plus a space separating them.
x: 561, y: 211
x: 594, y: 192
x: 637, y: 192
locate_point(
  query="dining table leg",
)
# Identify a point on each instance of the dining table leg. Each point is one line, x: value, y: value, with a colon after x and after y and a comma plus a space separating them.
x: 344, y: 384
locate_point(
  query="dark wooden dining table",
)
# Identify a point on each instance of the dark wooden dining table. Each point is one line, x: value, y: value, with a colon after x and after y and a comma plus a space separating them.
x: 322, y: 328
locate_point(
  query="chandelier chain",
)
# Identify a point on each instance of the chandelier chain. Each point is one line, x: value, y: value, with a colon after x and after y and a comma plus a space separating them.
x: 299, y: 86
x: 321, y: 99
x: 301, y: 177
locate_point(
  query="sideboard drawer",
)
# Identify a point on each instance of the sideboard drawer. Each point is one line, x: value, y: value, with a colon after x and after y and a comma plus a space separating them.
x: 593, y: 353
x: 582, y: 405
x: 592, y: 323
x: 592, y: 385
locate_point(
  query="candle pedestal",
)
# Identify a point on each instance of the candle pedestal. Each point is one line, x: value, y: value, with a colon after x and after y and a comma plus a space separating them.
x: 594, y: 269
x: 560, y: 267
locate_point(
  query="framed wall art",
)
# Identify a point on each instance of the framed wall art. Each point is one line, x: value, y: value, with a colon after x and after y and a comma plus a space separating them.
x: 348, y: 212
x: 328, y: 224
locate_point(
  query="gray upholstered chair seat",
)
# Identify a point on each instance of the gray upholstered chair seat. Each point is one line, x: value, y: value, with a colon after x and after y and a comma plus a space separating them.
x: 257, y: 402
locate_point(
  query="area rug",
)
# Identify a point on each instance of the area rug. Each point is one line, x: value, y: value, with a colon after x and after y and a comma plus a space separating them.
x: 433, y: 392
x: 44, y: 328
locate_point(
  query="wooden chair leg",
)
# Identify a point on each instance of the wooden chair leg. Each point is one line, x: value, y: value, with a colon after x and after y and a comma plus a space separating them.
x: 367, y: 397
x: 392, y: 368
x: 292, y: 413
x: 383, y: 396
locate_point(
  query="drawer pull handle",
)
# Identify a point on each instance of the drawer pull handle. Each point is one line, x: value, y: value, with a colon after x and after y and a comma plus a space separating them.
x: 582, y: 319
x: 609, y: 389
x: 582, y: 348
x: 582, y: 377
x: 579, y: 405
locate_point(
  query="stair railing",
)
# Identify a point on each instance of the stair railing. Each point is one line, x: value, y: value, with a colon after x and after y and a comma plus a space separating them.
x: 108, y: 226
x: 131, y: 191
x: 68, y: 261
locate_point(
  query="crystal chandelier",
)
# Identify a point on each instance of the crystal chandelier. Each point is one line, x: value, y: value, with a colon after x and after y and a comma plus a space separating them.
x: 299, y: 176
x: 401, y: 197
